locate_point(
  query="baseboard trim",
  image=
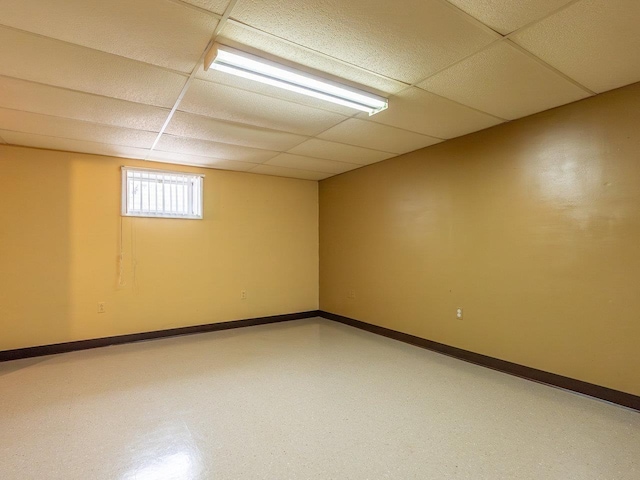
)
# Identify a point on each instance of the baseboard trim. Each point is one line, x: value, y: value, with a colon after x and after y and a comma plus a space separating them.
x: 65, y: 347
x: 603, y: 393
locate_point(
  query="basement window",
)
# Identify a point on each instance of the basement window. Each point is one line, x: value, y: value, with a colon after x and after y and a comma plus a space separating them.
x: 161, y: 194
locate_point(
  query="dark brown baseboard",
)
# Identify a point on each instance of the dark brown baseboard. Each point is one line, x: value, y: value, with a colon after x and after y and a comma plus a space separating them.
x: 540, y: 376
x: 39, y: 351
x: 533, y: 374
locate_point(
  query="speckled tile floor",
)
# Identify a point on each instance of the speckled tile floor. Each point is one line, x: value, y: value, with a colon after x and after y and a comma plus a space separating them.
x: 308, y: 399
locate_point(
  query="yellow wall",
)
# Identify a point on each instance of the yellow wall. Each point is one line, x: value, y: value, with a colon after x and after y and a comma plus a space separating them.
x: 60, y: 231
x: 532, y: 227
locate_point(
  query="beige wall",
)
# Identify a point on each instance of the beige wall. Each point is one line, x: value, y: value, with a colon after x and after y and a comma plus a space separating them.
x: 532, y: 227
x: 60, y: 237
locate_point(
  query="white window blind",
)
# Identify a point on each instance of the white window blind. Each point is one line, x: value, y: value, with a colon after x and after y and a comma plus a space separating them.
x: 157, y: 193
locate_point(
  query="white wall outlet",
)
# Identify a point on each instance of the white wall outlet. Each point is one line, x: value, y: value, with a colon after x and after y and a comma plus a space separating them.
x: 102, y: 307
x: 459, y: 314
x: 351, y: 294
x: 243, y: 294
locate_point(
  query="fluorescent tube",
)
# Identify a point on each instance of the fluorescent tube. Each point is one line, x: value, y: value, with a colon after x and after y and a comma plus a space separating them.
x: 236, y: 62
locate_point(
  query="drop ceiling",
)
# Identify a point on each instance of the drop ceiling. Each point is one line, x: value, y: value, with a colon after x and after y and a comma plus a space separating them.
x: 125, y: 78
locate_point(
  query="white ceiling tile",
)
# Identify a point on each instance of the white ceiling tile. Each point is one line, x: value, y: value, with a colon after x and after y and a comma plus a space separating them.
x: 221, y: 151
x: 235, y: 105
x: 504, y: 81
x: 37, y: 98
x: 70, y: 145
x: 112, y: 91
x: 216, y: 6
x: 406, y: 42
x: 307, y: 163
x: 240, y: 36
x: 162, y: 33
x: 43, y: 60
x: 505, y: 16
x: 424, y: 112
x: 367, y: 134
x: 595, y: 42
x: 35, y: 123
x: 199, y: 160
x: 206, y: 128
x: 290, y: 172
x: 339, y: 152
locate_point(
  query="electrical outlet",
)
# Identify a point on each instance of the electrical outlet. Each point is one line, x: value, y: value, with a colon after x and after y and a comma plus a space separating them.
x: 243, y: 294
x: 102, y: 308
x: 351, y: 294
x: 459, y: 314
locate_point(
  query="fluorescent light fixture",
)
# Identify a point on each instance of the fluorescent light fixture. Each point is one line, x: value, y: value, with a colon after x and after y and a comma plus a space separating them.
x: 245, y: 65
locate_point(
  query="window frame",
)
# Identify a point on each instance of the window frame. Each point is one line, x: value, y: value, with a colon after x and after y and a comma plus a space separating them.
x: 124, y: 207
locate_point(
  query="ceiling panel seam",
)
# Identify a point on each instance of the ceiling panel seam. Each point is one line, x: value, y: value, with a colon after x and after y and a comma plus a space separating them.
x: 328, y: 174
x: 462, y: 105
x: 199, y: 165
x: 491, y: 45
x: 471, y: 19
x: 294, y: 168
x: 288, y: 152
x: 88, y: 122
x: 220, y: 142
x: 196, y: 8
x: 298, y: 144
x: 415, y: 84
x: 33, y: 34
x: 240, y: 124
x: 83, y: 92
x: 350, y: 145
x: 392, y: 127
x: 379, y: 124
x: 171, y: 135
x: 216, y: 158
x: 541, y: 19
x: 195, y: 70
x: 76, y: 151
x: 195, y: 165
x: 75, y: 139
x: 331, y: 160
x: 347, y: 144
x: 437, y: 72
x: 320, y: 133
x: 549, y: 67
x: 321, y: 159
